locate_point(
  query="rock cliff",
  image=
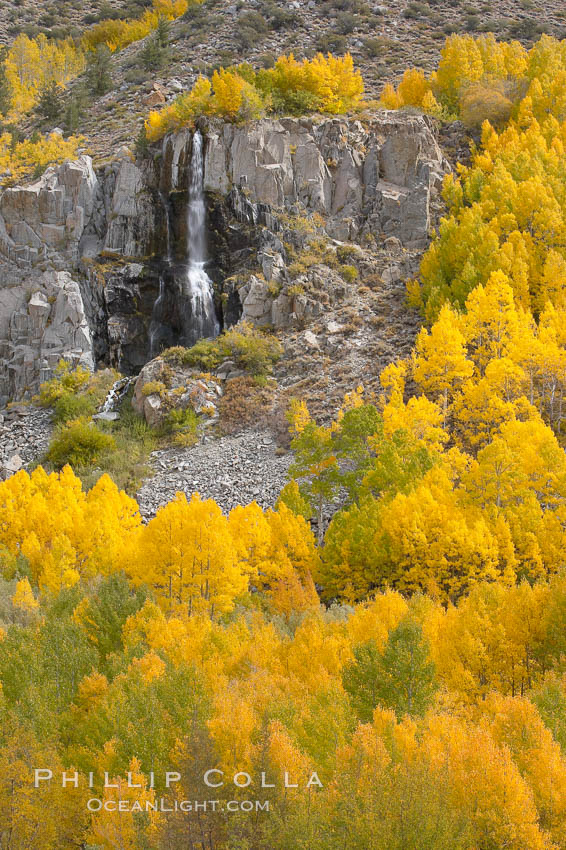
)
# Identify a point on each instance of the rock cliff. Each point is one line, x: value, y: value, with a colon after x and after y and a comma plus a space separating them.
x: 372, y: 176
x: 91, y: 262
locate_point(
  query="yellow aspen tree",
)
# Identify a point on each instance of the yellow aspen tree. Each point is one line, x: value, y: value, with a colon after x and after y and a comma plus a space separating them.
x: 116, y: 829
x: 375, y: 619
x: 413, y: 87
x: 485, y: 783
x: 59, y: 815
x: 440, y: 362
x: 187, y: 554
x: 491, y: 322
x: 422, y: 418
x: 431, y: 543
x: 516, y: 724
x: 292, y: 543
x: 251, y: 534
x: 298, y: 417
x: 23, y: 598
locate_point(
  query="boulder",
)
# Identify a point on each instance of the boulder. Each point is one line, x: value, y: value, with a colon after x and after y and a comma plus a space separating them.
x: 12, y: 465
x: 154, y: 98
x: 310, y: 340
x: 153, y: 410
x: 256, y: 302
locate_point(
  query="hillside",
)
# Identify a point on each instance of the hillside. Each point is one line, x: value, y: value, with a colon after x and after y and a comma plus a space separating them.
x: 60, y: 18
x: 384, y: 40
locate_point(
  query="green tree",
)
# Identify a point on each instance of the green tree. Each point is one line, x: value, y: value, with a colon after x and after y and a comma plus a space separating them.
x: 99, y: 70
x: 50, y: 104
x: 402, y: 678
x: 406, y: 673
x: 102, y: 616
x: 398, y: 465
x: 5, y: 88
x: 316, y: 466
x: 360, y: 680
x: 352, y: 445
x: 156, y: 51
x: 551, y: 703
x: 73, y: 113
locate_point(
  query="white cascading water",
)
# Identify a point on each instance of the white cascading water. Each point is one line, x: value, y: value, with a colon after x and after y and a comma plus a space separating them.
x: 155, y: 324
x: 118, y: 391
x: 198, y: 284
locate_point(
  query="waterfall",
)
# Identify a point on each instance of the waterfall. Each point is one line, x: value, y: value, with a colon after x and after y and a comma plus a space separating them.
x: 198, y: 286
x: 155, y: 324
x: 183, y: 311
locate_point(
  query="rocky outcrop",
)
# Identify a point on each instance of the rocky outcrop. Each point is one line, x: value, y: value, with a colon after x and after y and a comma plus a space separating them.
x: 375, y: 175
x: 42, y: 224
x: 93, y: 264
x: 24, y: 437
x: 51, y: 233
x: 42, y: 320
x: 161, y: 388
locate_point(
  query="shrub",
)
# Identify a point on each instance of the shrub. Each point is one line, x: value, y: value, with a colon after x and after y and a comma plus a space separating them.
x: 416, y: 10
x: 346, y: 23
x: 251, y: 28
x: 204, y: 354
x: 176, y: 355
x: 331, y: 41
x: 358, y: 6
x: 183, y: 425
x: 248, y: 347
x: 245, y: 403
x: 70, y: 407
x: 280, y: 18
x: 483, y: 102
x: 349, y: 273
x: 64, y: 382
x: 373, y: 47
x: 74, y: 393
x: 154, y: 388
x: 79, y: 443
x: 346, y: 252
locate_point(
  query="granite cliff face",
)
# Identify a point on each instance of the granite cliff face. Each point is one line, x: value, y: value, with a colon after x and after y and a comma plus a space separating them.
x: 91, y: 261
x: 374, y: 176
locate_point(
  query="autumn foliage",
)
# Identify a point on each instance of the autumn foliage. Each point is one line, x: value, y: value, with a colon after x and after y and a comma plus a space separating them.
x: 397, y: 621
x: 32, y: 156
x: 117, y: 33
x: 325, y: 84
x: 32, y: 64
x: 506, y: 211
